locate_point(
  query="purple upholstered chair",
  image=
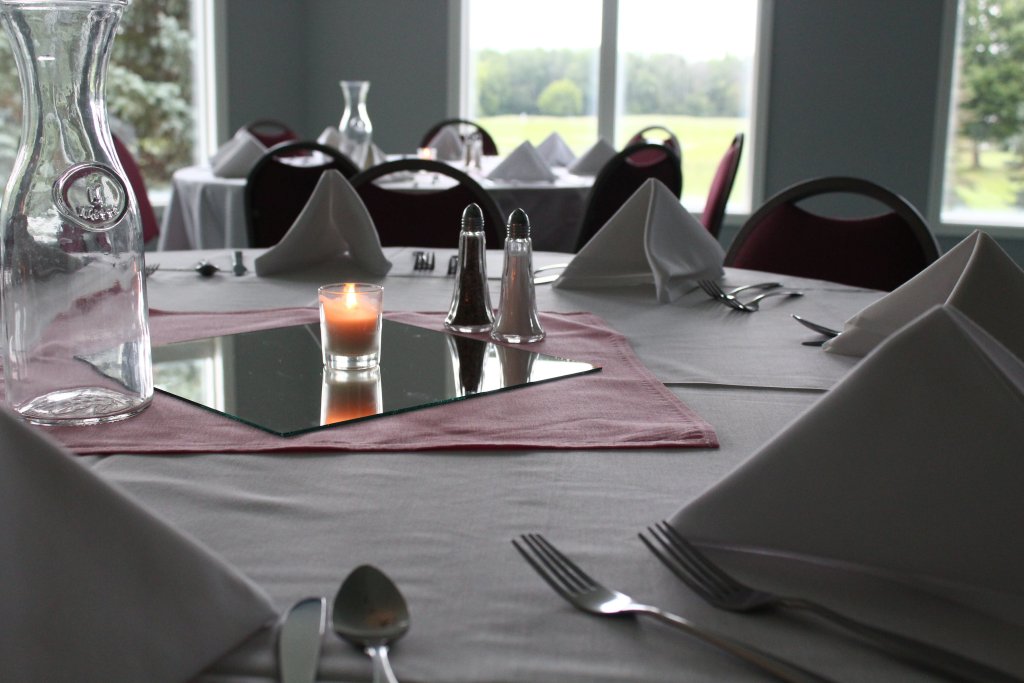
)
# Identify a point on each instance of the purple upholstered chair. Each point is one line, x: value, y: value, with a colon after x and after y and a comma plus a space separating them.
x: 489, y: 147
x: 150, y: 226
x: 721, y: 186
x: 271, y: 132
x: 879, y: 252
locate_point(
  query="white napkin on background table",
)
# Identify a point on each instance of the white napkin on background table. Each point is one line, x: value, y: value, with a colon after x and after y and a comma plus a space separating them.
x: 555, y: 152
x: 334, y: 224
x: 98, y: 588
x: 594, y: 159
x: 524, y: 164
x: 910, y: 467
x: 650, y: 239
x: 448, y: 144
x: 976, y: 276
x: 236, y: 157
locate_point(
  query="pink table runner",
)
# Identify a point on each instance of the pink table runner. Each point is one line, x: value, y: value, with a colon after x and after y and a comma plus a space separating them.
x: 622, y: 406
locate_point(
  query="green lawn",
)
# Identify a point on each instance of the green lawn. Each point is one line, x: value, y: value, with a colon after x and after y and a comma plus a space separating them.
x: 704, y: 141
x: 998, y: 184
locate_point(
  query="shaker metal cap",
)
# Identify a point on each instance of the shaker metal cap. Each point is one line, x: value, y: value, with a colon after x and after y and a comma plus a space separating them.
x: 518, y: 225
x: 472, y: 218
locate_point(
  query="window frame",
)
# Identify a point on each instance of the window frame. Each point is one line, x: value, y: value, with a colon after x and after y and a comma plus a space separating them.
x: 459, y: 94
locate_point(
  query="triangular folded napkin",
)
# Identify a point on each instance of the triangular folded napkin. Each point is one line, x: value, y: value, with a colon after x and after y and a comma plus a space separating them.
x: 448, y: 144
x: 594, y: 159
x: 555, y: 152
x: 334, y: 224
x: 525, y: 164
x: 98, y: 588
x: 976, y: 276
x: 237, y: 156
x: 909, y: 468
x: 650, y: 239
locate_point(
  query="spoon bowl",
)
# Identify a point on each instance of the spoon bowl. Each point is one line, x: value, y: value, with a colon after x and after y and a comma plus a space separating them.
x: 370, y: 612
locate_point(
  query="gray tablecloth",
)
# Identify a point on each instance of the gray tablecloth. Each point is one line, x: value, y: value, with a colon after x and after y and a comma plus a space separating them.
x: 440, y: 523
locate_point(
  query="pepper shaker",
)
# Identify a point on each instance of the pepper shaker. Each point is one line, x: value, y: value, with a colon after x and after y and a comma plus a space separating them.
x: 517, y: 321
x: 470, y: 310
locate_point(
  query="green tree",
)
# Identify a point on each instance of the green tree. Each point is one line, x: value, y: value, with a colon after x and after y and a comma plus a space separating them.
x: 991, y: 97
x: 561, y: 98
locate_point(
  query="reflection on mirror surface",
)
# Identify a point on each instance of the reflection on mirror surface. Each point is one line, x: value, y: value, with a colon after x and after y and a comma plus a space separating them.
x: 275, y: 379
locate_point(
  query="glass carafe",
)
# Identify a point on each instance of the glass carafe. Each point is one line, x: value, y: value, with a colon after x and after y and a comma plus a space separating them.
x: 356, y: 129
x: 73, y: 291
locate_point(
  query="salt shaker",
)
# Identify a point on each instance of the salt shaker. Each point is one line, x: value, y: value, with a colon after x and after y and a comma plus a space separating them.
x: 517, y: 321
x: 471, y: 301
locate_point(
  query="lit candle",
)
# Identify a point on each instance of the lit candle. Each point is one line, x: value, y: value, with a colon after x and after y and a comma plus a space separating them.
x: 350, y: 321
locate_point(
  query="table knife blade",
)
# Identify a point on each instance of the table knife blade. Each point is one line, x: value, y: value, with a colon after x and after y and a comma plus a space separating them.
x: 298, y: 644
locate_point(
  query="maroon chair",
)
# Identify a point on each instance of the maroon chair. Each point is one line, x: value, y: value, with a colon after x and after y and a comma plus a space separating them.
x: 425, y: 217
x: 623, y: 175
x: 670, y: 140
x: 271, y: 132
x: 150, y: 226
x: 879, y: 252
x: 721, y: 186
x: 277, y: 190
x: 489, y: 148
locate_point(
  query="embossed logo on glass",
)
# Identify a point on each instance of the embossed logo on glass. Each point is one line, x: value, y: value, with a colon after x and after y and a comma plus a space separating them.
x: 92, y: 196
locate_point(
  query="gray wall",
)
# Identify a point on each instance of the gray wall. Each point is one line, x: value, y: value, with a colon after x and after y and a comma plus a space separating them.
x: 854, y: 84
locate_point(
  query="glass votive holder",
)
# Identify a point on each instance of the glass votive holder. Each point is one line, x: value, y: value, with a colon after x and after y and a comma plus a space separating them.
x: 350, y: 320
x: 349, y: 395
x: 428, y: 153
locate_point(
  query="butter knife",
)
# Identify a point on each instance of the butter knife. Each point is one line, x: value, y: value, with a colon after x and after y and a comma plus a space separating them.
x: 298, y: 644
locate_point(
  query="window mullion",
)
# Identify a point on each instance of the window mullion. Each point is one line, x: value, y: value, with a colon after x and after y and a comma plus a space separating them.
x: 607, y: 91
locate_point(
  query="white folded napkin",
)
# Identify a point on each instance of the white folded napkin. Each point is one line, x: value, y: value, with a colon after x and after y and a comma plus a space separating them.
x: 555, y: 152
x: 334, y: 224
x: 448, y: 144
x: 650, y: 239
x: 237, y: 156
x: 98, y: 588
x: 976, y: 276
x: 910, y: 467
x: 594, y: 159
x: 330, y: 137
x: 525, y: 164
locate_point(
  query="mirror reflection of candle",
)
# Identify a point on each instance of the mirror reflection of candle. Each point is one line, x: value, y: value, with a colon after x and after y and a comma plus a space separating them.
x: 349, y: 395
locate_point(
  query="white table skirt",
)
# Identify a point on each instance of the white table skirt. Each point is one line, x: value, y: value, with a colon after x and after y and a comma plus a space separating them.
x: 440, y: 523
x: 208, y: 212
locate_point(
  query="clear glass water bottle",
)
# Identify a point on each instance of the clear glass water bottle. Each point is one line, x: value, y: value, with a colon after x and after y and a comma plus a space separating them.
x: 76, y: 347
x: 517, y: 321
x: 355, y: 127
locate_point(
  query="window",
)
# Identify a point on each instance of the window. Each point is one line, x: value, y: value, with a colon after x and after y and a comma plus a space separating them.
x: 984, y: 178
x: 152, y: 92
x: 687, y: 65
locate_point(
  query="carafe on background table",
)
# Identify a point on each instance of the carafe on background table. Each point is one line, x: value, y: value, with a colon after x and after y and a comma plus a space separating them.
x: 76, y: 345
x: 355, y: 127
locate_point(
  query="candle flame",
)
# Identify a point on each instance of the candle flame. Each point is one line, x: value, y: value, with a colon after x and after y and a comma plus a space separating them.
x: 351, y: 300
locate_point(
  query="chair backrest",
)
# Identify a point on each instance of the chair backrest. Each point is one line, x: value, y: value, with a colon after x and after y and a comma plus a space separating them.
x: 880, y: 252
x: 489, y: 148
x: 280, y: 184
x: 669, y: 140
x: 150, y: 226
x: 425, y: 217
x: 271, y: 132
x: 721, y: 186
x: 623, y: 175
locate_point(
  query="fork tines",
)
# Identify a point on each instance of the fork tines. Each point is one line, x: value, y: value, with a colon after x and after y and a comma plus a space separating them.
x: 686, y: 562
x: 557, y: 570
x: 423, y: 260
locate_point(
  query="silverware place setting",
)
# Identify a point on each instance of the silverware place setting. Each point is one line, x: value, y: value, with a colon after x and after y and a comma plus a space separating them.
x: 203, y: 267
x: 715, y: 291
x: 721, y: 590
x: 586, y: 594
x: 298, y: 642
x: 828, y: 332
x: 371, y: 613
x: 423, y: 260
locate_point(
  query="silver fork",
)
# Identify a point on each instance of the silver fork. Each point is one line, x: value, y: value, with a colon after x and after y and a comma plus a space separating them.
x: 718, y: 588
x: 712, y: 289
x: 423, y: 260
x: 586, y: 594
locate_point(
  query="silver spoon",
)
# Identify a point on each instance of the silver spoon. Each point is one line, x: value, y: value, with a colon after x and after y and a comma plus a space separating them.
x: 370, y: 612
x: 820, y: 329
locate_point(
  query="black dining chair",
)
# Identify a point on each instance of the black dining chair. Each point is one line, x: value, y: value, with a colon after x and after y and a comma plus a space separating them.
x: 880, y: 251
x: 280, y: 184
x: 621, y: 177
x: 271, y: 132
x: 424, y: 216
x: 667, y: 138
x: 462, y: 126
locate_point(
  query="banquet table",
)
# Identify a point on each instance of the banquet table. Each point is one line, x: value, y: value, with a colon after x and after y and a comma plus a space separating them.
x: 206, y: 211
x: 440, y: 522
